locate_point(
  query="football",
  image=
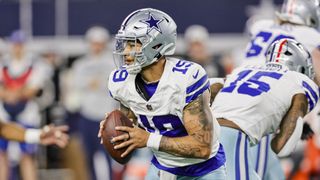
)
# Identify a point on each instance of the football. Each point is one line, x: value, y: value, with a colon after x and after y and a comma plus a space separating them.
x: 115, y: 118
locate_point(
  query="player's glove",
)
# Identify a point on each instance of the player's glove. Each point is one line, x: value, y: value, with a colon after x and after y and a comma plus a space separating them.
x: 307, y: 132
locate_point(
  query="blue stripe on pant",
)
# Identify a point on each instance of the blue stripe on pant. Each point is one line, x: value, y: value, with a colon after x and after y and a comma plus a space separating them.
x: 266, y: 161
x: 238, y: 154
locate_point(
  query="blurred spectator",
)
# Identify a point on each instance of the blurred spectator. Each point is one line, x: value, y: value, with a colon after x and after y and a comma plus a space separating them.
x: 21, y: 76
x: 197, y: 39
x: 73, y: 156
x: 50, y: 96
x: 90, y: 76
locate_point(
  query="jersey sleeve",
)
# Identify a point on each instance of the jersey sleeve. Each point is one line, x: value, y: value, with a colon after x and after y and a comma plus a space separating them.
x: 197, y: 83
x: 311, y: 90
x: 303, y: 85
x: 116, y: 82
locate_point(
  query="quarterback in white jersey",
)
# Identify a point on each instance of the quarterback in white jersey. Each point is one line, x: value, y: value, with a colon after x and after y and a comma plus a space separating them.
x: 298, y: 20
x: 257, y: 100
x: 168, y: 98
x: 181, y: 83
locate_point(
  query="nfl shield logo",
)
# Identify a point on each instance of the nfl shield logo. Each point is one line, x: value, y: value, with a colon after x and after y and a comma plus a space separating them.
x: 149, y: 107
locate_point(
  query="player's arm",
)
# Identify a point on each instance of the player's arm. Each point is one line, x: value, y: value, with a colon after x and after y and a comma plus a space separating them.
x: 291, y: 126
x: 46, y: 136
x: 198, y: 122
x: 214, y: 89
x: 216, y: 84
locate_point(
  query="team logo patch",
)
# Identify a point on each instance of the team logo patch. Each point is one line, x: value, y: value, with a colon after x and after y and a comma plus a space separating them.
x: 152, y: 23
x: 149, y: 107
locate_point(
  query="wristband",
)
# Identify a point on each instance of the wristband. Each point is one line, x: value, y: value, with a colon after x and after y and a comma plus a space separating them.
x: 32, y: 136
x: 154, y: 141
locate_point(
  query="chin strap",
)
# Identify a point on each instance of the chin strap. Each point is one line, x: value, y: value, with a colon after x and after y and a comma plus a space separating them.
x: 292, y: 141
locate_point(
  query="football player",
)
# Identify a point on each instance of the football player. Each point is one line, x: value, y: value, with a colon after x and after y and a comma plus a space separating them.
x: 166, y: 96
x: 299, y: 20
x: 257, y: 100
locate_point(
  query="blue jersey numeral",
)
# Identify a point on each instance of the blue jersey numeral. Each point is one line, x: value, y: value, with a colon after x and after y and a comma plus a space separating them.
x: 167, y: 125
x: 255, y: 48
x: 182, y: 66
x: 120, y: 75
x: 233, y: 85
x: 245, y: 87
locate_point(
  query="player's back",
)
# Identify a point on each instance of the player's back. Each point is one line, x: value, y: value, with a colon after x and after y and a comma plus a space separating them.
x: 257, y: 97
x: 265, y: 32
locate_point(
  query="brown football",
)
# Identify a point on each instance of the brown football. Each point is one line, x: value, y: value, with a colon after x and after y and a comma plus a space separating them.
x: 115, y: 118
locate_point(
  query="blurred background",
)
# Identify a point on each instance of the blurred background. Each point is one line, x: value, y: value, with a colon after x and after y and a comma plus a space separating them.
x: 68, y: 45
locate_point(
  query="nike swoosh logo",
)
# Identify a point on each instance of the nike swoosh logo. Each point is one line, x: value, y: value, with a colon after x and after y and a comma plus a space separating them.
x: 196, y: 75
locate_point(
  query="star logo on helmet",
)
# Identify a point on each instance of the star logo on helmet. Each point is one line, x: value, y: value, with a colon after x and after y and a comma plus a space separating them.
x: 152, y: 23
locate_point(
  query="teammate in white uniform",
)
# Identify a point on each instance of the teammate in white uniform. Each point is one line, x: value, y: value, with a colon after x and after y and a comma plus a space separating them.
x: 168, y: 97
x: 258, y: 100
x: 298, y: 20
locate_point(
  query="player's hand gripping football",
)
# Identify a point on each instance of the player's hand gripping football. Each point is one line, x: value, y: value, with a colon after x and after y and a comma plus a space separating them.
x: 52, y: 134
x: 133, y: 139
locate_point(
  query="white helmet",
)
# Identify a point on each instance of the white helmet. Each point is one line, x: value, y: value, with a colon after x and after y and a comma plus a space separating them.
x: 154, y: 29
x: 303, y: 12
x: 292, y: 54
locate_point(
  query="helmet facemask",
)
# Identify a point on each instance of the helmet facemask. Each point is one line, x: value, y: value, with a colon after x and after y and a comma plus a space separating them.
x: 120, y: 54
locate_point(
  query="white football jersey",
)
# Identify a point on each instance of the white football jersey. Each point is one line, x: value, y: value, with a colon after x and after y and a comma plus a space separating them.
x: 257, y: 97
x: 181, y: 83
x: 265, y: 32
